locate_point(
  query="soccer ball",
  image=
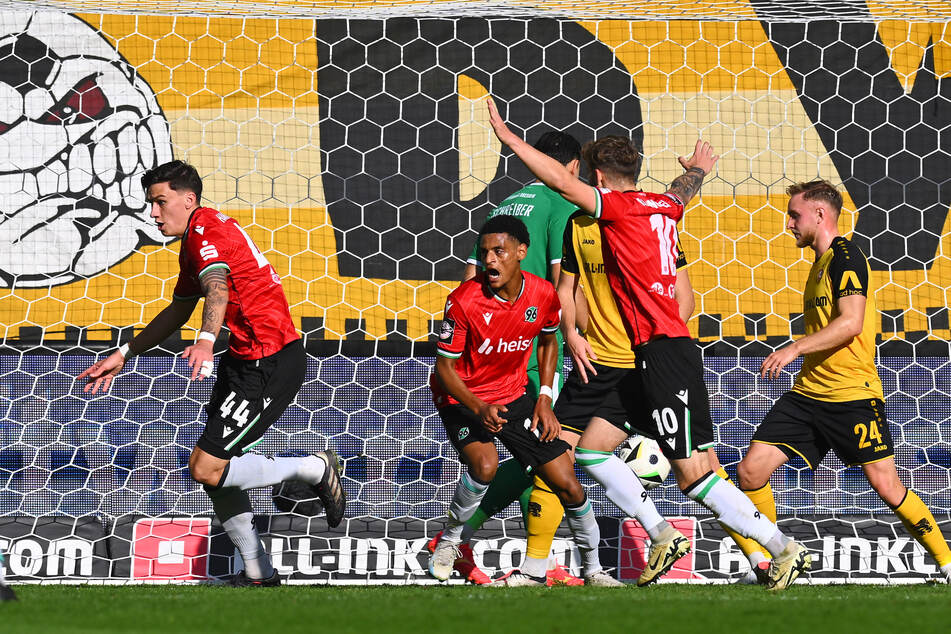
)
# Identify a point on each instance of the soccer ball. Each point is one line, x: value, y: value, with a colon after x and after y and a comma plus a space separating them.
x: 645, y: 459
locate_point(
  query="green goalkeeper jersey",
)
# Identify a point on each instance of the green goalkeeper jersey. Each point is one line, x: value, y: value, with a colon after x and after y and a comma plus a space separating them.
x: 545, y: 214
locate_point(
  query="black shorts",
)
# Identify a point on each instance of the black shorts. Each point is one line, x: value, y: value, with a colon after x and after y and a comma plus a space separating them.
x: 249, y: 397
x: 802, y: 426
x: 579, y: 402
x: 674, y: 397
x: 463, y: 426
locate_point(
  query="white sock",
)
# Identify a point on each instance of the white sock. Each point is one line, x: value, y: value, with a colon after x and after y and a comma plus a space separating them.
x: 586, y: 534
x: 623, y: 488
x: 756, y: 558
x: 534, y: 567
x: 735, y: 511
x: 233, y: 508
x: 253, y: 471
x: 466, y: 499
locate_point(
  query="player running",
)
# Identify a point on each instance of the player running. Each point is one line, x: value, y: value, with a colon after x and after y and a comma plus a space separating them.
x: 595, y: 409
x: 596, y: 405
x: 479, y: 391
x: 258, y: 377
x: 837, y: 400
x: 640, y: 232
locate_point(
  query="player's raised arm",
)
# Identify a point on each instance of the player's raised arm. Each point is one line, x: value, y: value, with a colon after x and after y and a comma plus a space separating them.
x: 546, y: 169
x: 697, y: 166
x: 172, y: 317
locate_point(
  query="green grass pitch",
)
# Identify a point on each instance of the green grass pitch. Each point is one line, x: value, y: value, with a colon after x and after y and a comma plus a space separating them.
x: 663, y: 608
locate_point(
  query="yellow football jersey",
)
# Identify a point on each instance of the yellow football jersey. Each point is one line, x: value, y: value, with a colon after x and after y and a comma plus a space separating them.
x: 846, y: 373
x: 582, y: 256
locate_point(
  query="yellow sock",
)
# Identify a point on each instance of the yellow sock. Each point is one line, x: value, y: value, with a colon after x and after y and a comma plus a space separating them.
x: 544, y: 516
x: 747, y: 545
x: 920, y: 524
x: 763, y: 501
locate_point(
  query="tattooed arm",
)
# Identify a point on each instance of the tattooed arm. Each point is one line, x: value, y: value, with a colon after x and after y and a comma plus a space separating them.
x: 686, y: 186
x: 214, y: 286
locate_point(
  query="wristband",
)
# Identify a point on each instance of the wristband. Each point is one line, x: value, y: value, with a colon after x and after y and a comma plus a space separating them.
x: 124, y: 350
x: 204, y: 335
x: 545, y: 390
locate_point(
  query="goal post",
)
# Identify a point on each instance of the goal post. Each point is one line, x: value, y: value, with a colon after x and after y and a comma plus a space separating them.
x: 352, y: 144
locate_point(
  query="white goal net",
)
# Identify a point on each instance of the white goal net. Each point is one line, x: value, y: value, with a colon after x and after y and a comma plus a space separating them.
x: 350, y: 139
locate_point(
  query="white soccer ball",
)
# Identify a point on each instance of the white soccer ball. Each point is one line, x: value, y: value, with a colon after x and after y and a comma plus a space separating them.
x: 645, y: 459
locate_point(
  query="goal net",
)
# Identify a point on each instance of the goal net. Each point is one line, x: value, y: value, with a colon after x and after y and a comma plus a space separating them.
x: 351, y: 141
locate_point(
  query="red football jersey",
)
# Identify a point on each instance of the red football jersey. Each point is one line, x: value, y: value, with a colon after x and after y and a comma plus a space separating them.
x: 492, y: 338
x: 640, y: 259
x: 258, y: 315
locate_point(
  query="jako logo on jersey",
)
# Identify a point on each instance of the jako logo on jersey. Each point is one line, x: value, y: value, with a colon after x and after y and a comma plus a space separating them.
x: 519, y: 345
x: 208, y: 251
x: 531, y: 314
x: 587, y: 241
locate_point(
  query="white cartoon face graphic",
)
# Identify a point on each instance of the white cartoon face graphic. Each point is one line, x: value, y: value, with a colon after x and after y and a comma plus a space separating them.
x: 78, y: 127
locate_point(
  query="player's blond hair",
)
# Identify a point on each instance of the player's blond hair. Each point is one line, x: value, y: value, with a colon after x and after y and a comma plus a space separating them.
x: 821, y: 190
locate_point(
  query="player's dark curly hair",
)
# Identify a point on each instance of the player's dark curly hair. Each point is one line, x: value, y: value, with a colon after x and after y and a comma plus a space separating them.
x: 617, y: 155
x: 818, y: 190
x: 506, y: 224
x: 178, y: 174
x: 561, y: 146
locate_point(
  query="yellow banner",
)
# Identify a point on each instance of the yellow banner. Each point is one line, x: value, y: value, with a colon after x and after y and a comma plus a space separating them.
x: 241, y: 102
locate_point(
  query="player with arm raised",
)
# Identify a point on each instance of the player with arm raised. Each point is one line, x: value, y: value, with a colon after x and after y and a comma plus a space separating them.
x: 595, y: 406
x: 258, y: 377
x: 479, y: 389
x: 544, y: 213
x: 594, y: 411
x: 837, y: 401
x: 640, y: 232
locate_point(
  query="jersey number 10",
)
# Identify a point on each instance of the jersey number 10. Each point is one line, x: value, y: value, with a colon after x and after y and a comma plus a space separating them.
x: 666, y: 230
